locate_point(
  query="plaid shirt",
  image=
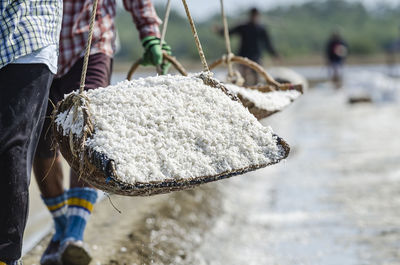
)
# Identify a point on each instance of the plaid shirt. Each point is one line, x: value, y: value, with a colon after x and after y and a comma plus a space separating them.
x: 27, y: 26
x: 75, y: 27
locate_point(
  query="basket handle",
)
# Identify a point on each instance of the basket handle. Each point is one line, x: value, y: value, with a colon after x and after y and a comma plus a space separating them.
x: 271, y: 83
x: 178, y: 66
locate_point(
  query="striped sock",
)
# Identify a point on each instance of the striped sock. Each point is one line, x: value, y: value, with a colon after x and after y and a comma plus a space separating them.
x: 80, y: 205
x: 58, y: 209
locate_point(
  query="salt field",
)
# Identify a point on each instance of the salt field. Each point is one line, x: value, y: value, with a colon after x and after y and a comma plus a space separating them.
x: 335, y: 200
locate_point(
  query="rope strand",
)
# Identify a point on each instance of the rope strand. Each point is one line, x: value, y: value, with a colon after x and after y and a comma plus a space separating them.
x: 165, y: 24
x: 196, y: 37
x: 87, y: 51
x: 164, y: 31
x: 227, y: 40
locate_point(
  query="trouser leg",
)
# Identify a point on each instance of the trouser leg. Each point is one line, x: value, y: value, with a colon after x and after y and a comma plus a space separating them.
x: 48, y: 171
x: 24, y: 92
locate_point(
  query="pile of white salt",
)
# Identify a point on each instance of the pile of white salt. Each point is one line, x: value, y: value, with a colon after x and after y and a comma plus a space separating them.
x: 173, y: 127
x: 271, y: 101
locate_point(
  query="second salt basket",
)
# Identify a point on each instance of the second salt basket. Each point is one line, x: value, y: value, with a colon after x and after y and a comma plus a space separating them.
x: 270, y: 85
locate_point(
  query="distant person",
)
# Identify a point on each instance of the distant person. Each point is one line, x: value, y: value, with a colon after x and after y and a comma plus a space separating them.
x: 336, y: 53
x: 254, y: 38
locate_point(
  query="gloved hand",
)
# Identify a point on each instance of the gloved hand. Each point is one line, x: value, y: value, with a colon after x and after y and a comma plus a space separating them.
x: 153, y: 53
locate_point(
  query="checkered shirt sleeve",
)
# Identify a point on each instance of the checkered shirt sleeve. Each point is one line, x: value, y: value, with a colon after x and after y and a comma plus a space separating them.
x: 144, y: 16
x: 26, y: 26
x: 75, y: 27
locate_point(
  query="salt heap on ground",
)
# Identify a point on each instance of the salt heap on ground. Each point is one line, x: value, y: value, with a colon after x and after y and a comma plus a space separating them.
x: 173, y: 127
x: 271, y: 101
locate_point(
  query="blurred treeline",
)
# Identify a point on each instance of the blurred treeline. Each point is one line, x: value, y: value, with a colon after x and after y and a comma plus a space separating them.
x: 297, y: 30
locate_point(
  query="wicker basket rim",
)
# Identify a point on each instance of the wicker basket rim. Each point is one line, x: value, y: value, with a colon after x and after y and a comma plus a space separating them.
x: 201, y: 179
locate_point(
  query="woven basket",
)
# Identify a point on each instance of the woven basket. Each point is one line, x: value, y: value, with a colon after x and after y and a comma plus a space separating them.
x: 257, y: 112
x: 271, y: 84
x: 100, y: 171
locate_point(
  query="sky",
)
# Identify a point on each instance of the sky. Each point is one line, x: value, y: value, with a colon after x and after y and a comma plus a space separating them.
x: 202, y: 9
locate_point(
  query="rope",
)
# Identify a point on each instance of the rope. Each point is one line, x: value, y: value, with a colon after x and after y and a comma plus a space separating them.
x: 227, y: 41
x: 80, y: 101
x: 87, y: 51
x: 164, y: 31
x: 196, y: 37
x: 166, y: 18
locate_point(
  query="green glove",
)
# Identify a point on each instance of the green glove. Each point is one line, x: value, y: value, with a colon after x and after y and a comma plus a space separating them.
x: 153, y: 53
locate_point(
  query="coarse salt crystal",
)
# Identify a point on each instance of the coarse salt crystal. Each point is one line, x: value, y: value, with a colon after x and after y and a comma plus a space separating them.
x: 173, y: 127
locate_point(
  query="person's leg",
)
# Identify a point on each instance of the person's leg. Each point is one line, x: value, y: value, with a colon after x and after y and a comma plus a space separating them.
x: 80, y: 206
x: 47, y: 163
x: 47, y: 167
x: 49, y: 175
x: 336, y: 74
x: 98, y: 75
x: 69, y: 224
x: 243, y: 73
x: 23, y: 104
x: 81, y: 196
x: 250, y: 76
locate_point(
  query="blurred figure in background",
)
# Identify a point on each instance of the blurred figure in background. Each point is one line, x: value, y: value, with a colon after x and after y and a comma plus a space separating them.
x: 336, y: 53
x: 254, y: 38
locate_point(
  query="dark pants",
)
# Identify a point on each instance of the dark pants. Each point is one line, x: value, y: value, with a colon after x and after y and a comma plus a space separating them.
x: 24, y: 92
x: 98, y: 75
x: 250, y: 76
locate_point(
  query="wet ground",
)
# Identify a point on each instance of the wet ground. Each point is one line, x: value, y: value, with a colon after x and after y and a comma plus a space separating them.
x: 336, y: 200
